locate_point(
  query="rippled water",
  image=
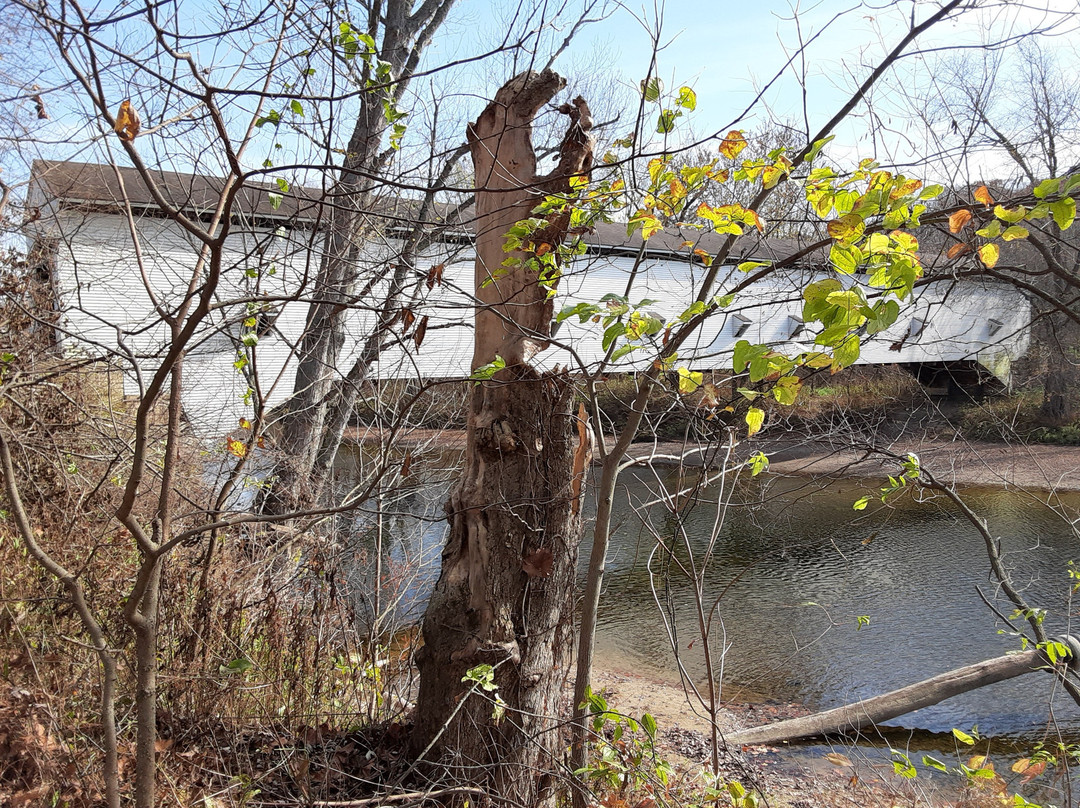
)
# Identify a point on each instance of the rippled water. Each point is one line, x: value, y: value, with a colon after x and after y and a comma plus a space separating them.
x: 793, y: 569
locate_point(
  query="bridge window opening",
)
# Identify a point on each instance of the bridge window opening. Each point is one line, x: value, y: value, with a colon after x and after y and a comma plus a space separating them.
x: 796, y: 329
x: 740, y: 325
x: 916, y: 327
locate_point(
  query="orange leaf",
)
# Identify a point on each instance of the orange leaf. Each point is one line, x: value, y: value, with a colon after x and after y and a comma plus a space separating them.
x: 958, y: 220
x: 982, y: 194
x: 989, y: 254
x: 543, y: 249
x: 732, y: 144
x: 1033, y: 771
x: 127, y: 122
x: 759, y: 223
x: 958, y: 249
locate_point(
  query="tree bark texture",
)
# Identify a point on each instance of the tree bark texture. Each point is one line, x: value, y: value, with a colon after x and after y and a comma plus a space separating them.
x: 406, y: 31
x: 868, y: 712
x: 505, y: 595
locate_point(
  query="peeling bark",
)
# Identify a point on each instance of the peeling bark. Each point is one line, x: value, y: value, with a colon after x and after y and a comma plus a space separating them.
x: 505, y: 594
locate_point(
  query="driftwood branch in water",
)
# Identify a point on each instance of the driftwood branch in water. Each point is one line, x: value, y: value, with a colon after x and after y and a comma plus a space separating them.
x: 874, y: 710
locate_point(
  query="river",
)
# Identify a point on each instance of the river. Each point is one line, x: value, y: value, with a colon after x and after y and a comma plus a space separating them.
x: 816, y: 603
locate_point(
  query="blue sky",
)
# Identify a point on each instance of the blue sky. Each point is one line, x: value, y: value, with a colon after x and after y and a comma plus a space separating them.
x: 728, y: 51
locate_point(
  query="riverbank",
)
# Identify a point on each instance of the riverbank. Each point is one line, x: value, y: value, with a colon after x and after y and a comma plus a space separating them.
x: 961, y: 462
x: 825, y: 775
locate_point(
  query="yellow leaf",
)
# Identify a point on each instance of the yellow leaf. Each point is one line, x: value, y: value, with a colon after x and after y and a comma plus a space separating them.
x: 236, y: 447
x: 732, y: 144
x: 127, y: 121
x: 989, y: 254
x: 846, y: 228
x: 755, y: 419
x: 1015, y: 232
x: 689, y: 380
x: 958, y: 220
x: 982, y: 194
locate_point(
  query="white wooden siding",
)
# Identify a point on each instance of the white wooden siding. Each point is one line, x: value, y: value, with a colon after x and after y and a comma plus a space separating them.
x: 101, y: 289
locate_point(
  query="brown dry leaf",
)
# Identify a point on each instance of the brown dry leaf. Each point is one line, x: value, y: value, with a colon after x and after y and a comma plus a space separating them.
x: 958, y: 249
x: 1033, y: 771
x: 163, y: 745
x: 42, y: 113
x: 958, y: 220
x: 982, y: 194
x: 407, y: 319
x: 421, y: 330
x: 836, y: 759
x: 406, y: 464
x: 434, y: 275
x: 127, y: 122
x: 32, y: 797
x: 538, y: 564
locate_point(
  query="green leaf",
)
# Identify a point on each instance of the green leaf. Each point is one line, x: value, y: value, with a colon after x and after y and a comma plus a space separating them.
x: 275, y: 200
x: 747, y: 266
x: 755, y: 420
x: 297, y: 108
x: 612, y: 333
x: 845, y: 258
x: 272, y: 117
x: 649, y: 723
x: 1047, y: 187
x: 1064, y: 212
x: 847, y: 352
x: 485, y: 372
x: 236, y: 666
x: 933, y: 763
x: 931, y: 191
x: 963, y: 737
x: 758, y: 462
x: 861, y: 503
x: 665, y: 122
x: 1015, y: 232
x: 652, y: 89
x: 817, y: 147
x: 687, y: 98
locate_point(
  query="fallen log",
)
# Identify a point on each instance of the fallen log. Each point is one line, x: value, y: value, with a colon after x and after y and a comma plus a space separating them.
x: 868, y: 712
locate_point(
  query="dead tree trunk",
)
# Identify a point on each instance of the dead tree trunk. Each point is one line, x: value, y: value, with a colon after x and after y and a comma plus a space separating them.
x: 506, y: 590
x: 868, y: 712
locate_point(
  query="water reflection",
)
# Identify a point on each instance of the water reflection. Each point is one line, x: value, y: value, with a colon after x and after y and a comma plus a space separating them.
x: 794, y: 568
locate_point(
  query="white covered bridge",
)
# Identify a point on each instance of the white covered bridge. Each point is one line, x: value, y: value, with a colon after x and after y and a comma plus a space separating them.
x: 115, y: 263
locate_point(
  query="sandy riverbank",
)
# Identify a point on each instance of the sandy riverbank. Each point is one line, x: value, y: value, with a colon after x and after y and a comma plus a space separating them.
x: 1035, y: 467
